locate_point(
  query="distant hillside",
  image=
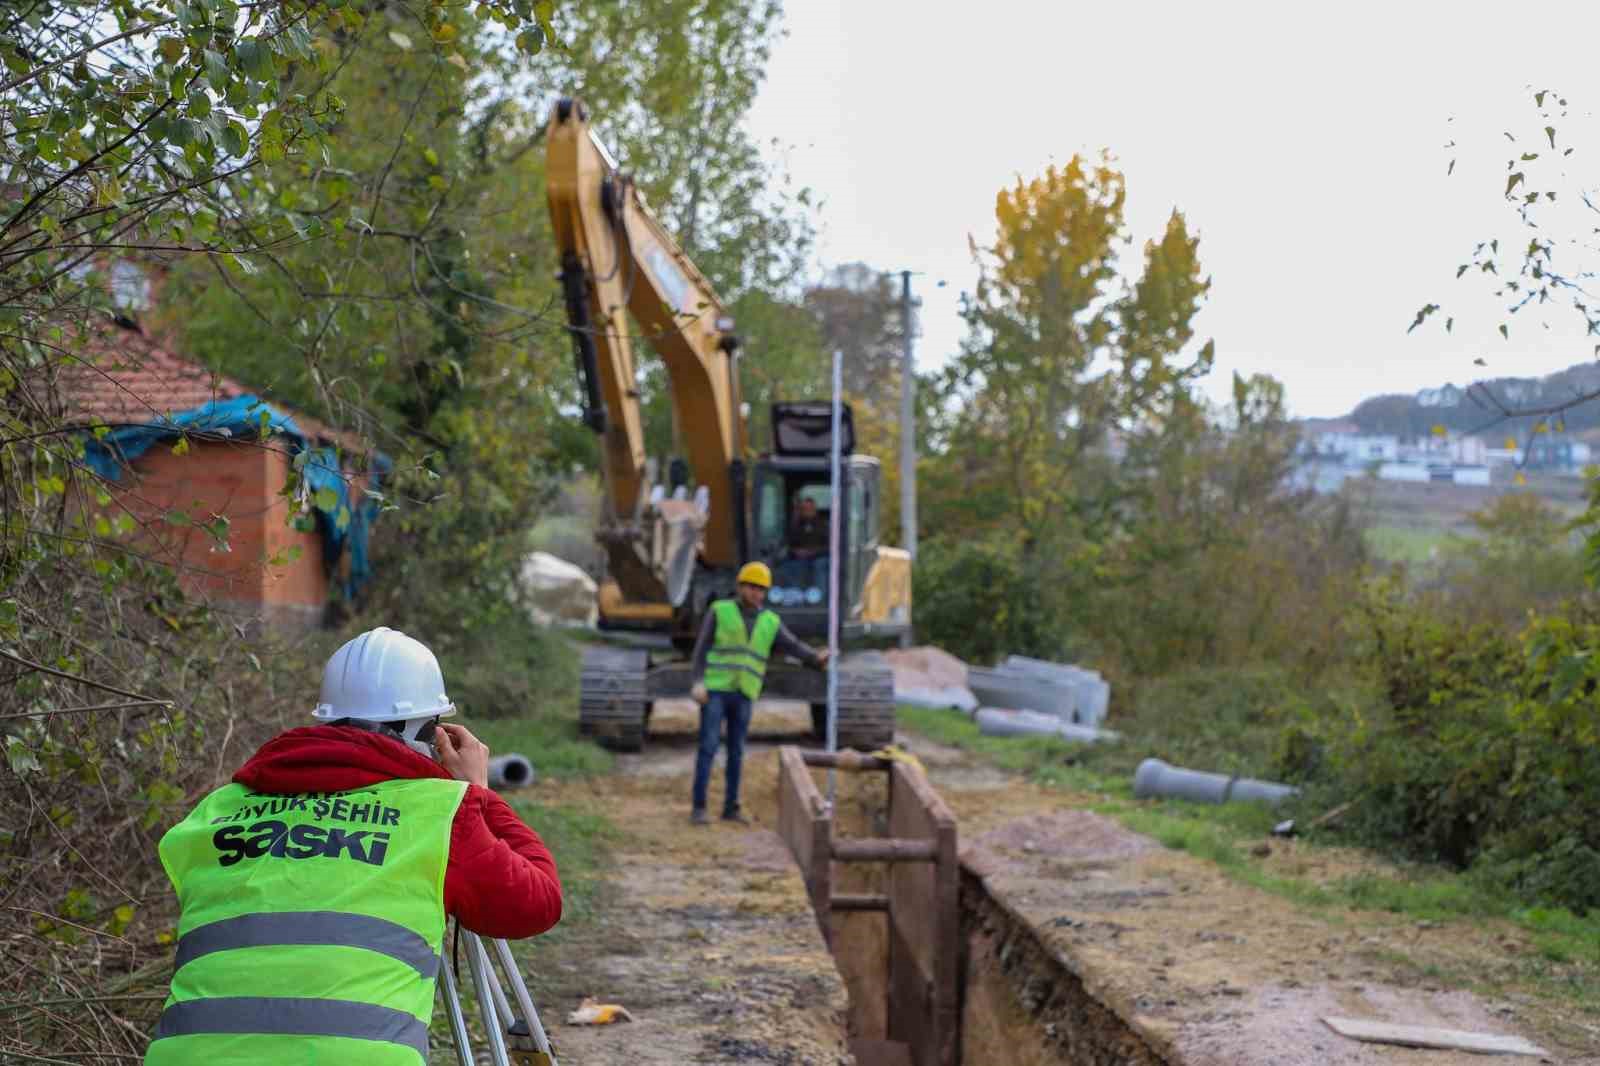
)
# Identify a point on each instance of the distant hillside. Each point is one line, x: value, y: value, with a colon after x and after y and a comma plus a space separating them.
x: 1415, y: 415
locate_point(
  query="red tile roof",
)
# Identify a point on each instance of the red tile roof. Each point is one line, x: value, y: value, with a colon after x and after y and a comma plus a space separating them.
x: 126, y: 376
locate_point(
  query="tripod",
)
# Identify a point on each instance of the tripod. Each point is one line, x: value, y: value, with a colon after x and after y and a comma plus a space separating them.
x: 513, y: 1041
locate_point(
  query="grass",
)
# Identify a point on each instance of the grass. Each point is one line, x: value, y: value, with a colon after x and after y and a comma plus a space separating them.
x: 518, y: 692
x: 1405, y: 544
x: 1194, y: 721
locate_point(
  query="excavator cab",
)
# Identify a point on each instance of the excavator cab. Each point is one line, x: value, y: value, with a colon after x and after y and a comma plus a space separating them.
x: 792, y: 505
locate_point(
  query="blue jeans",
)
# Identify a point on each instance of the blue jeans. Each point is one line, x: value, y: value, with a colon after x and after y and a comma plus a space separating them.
x: 735, y: 707
x: 804, y: 573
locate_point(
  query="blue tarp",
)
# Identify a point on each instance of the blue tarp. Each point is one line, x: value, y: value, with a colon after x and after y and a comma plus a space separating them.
x: 251, y: 418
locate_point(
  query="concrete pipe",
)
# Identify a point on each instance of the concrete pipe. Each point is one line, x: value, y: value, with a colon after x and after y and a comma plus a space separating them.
x: 510, y: 771
x: 994, y: 722
x: 1158, y: 779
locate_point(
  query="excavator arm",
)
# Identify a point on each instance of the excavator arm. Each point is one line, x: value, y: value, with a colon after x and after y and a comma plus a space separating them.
x: 617, y: 260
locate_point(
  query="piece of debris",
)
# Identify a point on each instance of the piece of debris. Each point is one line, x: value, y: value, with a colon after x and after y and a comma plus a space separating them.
x: 1261, y: 850
x: 556, y: 592
x: 930, y: 677
x: 593, y: 1012
x: 1372, y: 1032
x: 1284, y: 828
x: 1331, y: 816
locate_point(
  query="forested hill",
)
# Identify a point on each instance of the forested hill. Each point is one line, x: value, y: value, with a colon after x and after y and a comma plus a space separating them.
x: 1415, y: 414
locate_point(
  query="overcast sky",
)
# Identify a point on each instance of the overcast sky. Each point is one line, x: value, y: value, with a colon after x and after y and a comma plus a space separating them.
x: 1306, y: 146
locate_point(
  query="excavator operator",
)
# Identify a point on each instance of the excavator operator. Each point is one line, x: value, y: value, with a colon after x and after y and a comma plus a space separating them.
x: 736, y: 639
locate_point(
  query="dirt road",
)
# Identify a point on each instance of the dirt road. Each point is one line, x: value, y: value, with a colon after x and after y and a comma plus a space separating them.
x: 704, y: 934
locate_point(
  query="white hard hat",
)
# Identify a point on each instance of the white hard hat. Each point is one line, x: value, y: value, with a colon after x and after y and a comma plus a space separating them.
x: 383, y: 676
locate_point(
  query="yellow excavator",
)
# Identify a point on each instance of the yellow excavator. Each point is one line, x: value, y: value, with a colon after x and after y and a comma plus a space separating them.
x: 671, y: 549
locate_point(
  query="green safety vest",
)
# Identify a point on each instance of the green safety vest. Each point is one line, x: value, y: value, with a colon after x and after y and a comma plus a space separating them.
x: 311, y: 926
x: 737, y: 661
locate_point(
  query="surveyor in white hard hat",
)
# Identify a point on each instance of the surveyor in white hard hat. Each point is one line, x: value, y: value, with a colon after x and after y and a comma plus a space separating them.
x: 315, y: 886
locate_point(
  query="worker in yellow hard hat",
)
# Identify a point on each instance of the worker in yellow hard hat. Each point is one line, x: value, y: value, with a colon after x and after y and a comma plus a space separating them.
x: 736, y: 639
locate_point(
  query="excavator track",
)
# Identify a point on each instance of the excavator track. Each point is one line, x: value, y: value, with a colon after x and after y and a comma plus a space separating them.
x: 866, y: 703
x: 613, y: 697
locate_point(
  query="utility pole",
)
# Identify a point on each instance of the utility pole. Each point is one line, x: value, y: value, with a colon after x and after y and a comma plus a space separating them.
x: 908, y: 422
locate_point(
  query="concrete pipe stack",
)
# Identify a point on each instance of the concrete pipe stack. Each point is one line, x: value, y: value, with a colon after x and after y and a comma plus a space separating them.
x: 993, y: 722
x: 1070, y: 693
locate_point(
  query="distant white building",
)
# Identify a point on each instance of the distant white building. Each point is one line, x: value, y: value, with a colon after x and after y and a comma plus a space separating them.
x: 1357, y: 449
x: 1403, y: 472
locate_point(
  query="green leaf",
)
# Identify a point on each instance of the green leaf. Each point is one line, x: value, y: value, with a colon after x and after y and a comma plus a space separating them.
x: 327, y: 500
x: 20, y: 757
x: 171, y: 48
x: 182, y: 447
x: 531, y: 41
x: 1505, y: 332
x: 235, y: 140
x: 1513, y: 181
x: 1550, y: 132
x: 255, y: 58
x: 199, y: 104
x: 401, y: 41
x: 217, y: 72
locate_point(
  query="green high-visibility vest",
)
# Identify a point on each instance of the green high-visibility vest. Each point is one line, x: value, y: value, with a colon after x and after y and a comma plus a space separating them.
x: 737, y: 661
x: 311, y: 926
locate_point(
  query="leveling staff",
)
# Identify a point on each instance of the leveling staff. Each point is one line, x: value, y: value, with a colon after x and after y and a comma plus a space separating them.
x: 314, y: 888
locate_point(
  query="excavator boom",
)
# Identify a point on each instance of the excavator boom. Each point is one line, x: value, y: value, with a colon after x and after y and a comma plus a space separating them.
x: 616, y: 258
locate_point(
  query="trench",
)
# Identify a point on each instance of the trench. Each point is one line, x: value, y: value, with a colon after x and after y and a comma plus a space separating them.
x: 1017, y: 1001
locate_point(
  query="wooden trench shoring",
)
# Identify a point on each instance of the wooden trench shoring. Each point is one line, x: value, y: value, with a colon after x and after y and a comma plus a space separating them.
x: 921, y: 898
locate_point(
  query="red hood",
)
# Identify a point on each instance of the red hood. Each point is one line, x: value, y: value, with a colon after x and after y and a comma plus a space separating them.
x: 330, y: 758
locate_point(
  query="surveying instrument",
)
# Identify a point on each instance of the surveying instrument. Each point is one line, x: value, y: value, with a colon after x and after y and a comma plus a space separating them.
x: 513, y: 1040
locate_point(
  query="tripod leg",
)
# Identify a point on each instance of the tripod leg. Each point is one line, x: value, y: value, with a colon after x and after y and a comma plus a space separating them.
x: 478, y: 959
x: 509, y: 963
x: 502, y: 1006
x: 458, y: 1021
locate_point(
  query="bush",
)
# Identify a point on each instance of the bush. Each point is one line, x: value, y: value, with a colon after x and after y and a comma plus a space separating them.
x: 1487, y: 752
x: 1522, y: 559
x: 975, y: 599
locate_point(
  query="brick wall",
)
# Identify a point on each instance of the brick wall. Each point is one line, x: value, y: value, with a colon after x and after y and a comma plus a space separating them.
x: 242, y: 483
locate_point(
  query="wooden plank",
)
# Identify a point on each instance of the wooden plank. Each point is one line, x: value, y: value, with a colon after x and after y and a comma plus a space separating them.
x: 856, y: 901
x: 1427, y: 1037
x: 846, y: 760
x: 880, y: 1052
x: 883, y: 849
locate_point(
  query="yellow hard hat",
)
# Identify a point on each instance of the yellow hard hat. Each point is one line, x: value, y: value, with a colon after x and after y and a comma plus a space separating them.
x: 755, y: 574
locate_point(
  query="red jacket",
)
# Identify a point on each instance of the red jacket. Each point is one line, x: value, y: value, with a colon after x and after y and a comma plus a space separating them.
x: 500, y: 881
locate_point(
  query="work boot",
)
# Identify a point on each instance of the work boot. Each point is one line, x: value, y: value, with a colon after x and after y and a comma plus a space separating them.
x: 735, y: 815
x: 698, y: 817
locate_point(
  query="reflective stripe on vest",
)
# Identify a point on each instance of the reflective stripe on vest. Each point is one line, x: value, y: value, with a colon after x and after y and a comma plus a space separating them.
x: 737, y: 661
x: 311, y: 925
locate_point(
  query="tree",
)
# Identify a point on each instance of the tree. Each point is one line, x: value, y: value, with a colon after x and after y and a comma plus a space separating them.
x: 1061, y: 353
x: 1550, y: 261
x: 213, y: 135
x: 858, y: 310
